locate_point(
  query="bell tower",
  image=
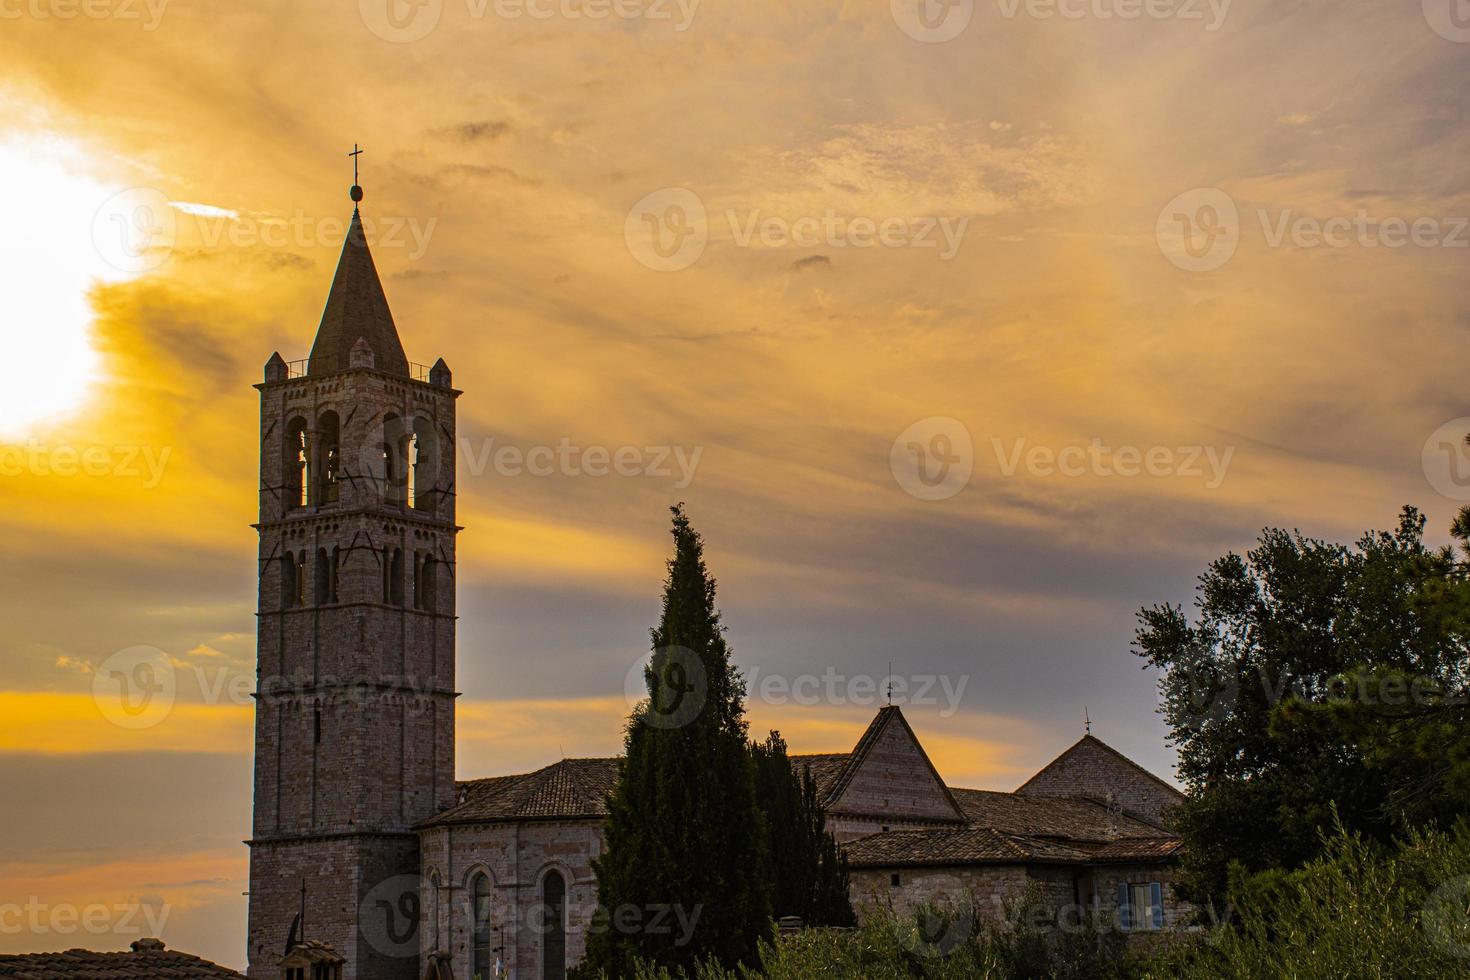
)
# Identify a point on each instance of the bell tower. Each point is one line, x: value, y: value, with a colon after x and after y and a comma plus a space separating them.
x: 354, y: 714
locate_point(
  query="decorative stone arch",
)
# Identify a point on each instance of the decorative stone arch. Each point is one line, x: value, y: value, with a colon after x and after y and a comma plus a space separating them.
x: 432, y: 904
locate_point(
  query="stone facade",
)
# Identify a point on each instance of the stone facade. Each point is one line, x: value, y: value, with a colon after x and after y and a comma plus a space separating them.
x: 1092, y: 768
x: 354, y: 727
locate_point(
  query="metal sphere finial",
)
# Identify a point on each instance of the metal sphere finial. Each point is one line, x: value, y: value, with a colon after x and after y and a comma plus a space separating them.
x: 356, y: 193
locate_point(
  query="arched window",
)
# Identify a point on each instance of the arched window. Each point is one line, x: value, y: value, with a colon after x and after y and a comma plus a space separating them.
x: 288, y: 580
x: 294, y: 464
x: 554, y: 927
x: 395, y: 460
x: 423, y: 580
x: 393, y: 576
x: 329, y: 439
x: 480, y: 960
x: 323, y: 577
x: 421, y: 494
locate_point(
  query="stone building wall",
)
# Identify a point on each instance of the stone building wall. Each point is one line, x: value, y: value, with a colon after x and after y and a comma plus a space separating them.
x: 517, y: 858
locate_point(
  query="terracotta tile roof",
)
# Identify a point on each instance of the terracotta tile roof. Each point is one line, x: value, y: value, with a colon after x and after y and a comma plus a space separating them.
x: 974, y: 845
x: 572, y: 789
x: 1061, y: 817
x: 1149, y: 849
x: 149, y: 961
x: 826, y: 769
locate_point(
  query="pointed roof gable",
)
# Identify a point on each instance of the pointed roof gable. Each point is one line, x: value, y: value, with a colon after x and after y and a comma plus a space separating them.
x: 882, y: 767
x: 1095, y: 769
x: 356, y: 308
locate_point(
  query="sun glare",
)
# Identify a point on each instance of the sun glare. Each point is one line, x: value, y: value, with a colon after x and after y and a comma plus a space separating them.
x: 49, y: 263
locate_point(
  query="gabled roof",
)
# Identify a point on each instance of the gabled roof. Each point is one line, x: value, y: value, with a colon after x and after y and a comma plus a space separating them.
x: 356, y: 309
x: 972, y: 845
x: 887, y: 716
x: 1060, y: 817
x: 148, y: 961
x: 1088, y: 742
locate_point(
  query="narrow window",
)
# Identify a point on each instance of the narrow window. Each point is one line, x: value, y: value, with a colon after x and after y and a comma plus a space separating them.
x: 894, y: 880
x: 336, y: 572
x: 329, y: 437
x: 480, y: 966
x: 300, y: 580
x: 395, y: 466
x: 396, y: 584
x: 554, y: 927
x: 316, y: 725
x: 323, y: 577
x: 288, y: 580
x: 422, y: 491
x: 294, y: 464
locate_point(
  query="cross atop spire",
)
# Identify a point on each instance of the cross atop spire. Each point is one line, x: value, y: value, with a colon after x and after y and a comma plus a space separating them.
x: 356, y: 192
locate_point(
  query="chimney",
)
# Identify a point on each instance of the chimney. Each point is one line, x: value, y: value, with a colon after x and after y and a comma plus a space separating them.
x: 148, y: 946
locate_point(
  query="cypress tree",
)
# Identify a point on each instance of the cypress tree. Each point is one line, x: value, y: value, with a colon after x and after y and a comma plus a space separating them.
x: 684, y: 832
x: 807, y: 871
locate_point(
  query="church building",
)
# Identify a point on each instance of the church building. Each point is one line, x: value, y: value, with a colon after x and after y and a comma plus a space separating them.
x: 368, y: 861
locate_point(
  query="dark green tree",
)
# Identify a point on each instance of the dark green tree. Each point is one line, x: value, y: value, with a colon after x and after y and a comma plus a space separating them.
x: 684, y: 831
x: 807, y: 872
x: 1312, y: 676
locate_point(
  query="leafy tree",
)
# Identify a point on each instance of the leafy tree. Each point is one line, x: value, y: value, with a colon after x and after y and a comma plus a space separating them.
x: 684, y: 830
x: 1315, y: 675
x: 808, y: 874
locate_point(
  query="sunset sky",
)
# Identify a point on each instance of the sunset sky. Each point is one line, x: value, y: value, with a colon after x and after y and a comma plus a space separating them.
x: 515, y: 165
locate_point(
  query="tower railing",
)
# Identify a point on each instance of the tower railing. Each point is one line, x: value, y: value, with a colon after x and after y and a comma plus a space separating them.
x: 330, y: 364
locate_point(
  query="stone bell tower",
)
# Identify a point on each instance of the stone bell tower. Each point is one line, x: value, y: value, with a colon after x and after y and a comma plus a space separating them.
x: 354, y: 716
